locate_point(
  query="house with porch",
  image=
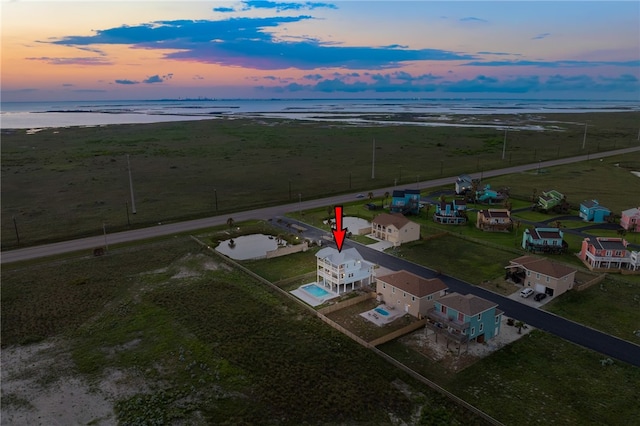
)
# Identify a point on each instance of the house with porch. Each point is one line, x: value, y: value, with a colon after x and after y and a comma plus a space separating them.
x: 542, y: 275
x: 630, y: 220
x: 549, y: 199
x: 395, y: 228
x: 409, y: 293
x: 464, y: 183
x: 343, y: 271
x: 405, y: 201
x: 494, y: 220
x: 466, y: 317
x: 608, y: 254
x: 544, y: 240
x: 592, y: 211
x: 451, y: 213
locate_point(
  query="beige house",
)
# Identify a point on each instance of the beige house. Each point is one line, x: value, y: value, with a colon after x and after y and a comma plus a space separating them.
x: 395, y: 228
x: 543, y: 275
x: 409, y: 293
x: 494, y: 220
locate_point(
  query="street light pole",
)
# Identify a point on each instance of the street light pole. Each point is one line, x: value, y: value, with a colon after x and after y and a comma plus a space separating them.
x: 215, y: 195
x: 104, y: 231
x: 300, y: 204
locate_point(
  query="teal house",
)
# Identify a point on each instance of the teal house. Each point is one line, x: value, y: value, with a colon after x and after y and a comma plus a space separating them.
x: 466, y: 317
x: 592, y: 211
x: 406, y: 202
x: 544, y: 240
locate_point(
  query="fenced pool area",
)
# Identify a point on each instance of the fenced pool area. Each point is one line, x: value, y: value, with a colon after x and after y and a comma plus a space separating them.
x: 313, y: 294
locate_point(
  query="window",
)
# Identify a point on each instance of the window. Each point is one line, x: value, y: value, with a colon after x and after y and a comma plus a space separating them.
x: 413, y: 298
x: 429, y: 297
x: 460, y: 317
x: 404, y: 294
x: 443, y: 309
x: 393, y: 290
x: 473, y: 331
x: 547, y: 279
x: 497, y: 319
x: 538, y: 276
x: 481, y: 329
x: 479, y: 317
x: 528, y: 273
x: 608, y: 253
x: 384, y: 285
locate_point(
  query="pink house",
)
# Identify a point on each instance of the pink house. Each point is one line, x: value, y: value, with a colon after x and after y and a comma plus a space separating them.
x: 630, y: 219
x: 602, y: 253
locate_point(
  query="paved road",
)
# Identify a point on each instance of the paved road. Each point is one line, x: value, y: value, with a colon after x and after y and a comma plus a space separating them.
x: 90, y: 243
x: 571, y: 331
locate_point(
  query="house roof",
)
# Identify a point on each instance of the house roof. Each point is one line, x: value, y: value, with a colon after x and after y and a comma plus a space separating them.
x: 414, y: 284
x: 339, y: 257
x: 602, y: 243
x: 396, y: 219
x: 593, y: 204
x: 464, y: 179
x: 543, y: 266
x: 631, y: 212
x: 495, y: 213
x: 545, y: 233
x: 468, y: 304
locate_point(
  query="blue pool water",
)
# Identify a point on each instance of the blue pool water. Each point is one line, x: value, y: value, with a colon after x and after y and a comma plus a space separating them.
x: 382, y: 311
x: 316, y: 291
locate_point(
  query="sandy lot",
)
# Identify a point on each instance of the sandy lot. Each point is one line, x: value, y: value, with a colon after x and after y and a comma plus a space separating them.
x: 424, y: 341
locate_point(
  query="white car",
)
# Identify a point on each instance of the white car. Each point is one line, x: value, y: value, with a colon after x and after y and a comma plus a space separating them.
x: 526, y: 292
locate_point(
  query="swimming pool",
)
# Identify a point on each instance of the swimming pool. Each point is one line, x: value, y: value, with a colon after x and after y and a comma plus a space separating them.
x: 316, y: 291
x: 381, y: 311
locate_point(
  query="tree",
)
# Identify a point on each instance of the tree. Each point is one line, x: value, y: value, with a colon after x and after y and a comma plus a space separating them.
x: 370, y: 195
x: 230, y: 222
x: 384, y: 198
x: 519, y: 325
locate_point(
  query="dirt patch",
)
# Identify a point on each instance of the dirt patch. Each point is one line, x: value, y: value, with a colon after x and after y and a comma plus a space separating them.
x: 40, y: 387
x: 455, y: 357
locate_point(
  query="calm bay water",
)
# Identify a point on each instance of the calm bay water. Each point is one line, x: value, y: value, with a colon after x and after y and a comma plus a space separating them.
x: 30, y: 115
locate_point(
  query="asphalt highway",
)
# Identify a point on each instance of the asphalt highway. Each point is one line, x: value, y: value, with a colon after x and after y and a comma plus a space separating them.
x: 89, y: 243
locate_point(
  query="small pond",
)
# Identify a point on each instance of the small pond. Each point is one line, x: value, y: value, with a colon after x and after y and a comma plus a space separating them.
x: 253, y: 246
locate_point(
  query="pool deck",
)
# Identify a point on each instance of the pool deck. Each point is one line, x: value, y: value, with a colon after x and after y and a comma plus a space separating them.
x: 312, y: 300
x: 381, y: 320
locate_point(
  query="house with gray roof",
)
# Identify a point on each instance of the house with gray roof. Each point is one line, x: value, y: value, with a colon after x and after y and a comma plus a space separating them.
x: 466, y: 317
x: 342, y: 271
x: 606, y: 254
x: 544, y: 240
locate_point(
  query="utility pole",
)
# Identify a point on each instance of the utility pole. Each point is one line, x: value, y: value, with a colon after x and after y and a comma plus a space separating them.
x: 215, y: 195
x: 126, y: 206
x: 133, y: 202
x: 584, y: 139
x: 300, y: 204
x: 15, y: 225
x: 504, y: 144
x: 373, y: 161
x: 104, y: 231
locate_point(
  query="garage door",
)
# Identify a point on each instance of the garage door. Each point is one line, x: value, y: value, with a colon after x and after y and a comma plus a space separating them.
x: 540, y: 288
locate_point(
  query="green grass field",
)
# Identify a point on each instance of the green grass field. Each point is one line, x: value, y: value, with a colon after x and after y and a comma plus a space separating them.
x: 209, y: 343
x: 68, y: 182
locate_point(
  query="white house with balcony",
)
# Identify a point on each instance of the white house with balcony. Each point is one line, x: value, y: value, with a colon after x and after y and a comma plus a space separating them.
x: 343, y: 271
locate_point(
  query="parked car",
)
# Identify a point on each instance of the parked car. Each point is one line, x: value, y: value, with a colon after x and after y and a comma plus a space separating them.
x: 538, y: 297
x: 526, y: 292
x: 360, y: 196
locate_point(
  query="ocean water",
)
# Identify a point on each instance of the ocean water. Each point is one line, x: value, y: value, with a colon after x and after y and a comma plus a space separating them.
x: 34, y: 115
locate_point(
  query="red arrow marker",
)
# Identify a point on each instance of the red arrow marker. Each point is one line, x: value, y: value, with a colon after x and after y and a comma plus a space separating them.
x: 338, y: 232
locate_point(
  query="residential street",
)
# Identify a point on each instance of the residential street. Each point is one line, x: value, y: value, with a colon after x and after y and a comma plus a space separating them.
x: 600, y: 342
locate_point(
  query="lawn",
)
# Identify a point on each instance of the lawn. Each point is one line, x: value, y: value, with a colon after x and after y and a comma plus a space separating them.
x: 593, y: 307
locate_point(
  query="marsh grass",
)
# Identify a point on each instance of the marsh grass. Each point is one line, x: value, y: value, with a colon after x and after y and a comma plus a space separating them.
x: 67, y: 182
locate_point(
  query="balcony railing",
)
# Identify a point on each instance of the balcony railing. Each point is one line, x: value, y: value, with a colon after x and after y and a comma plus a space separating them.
x: 447, y: 321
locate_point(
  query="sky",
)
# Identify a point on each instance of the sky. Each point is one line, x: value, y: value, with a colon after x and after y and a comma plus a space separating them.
x: 115, y: 50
